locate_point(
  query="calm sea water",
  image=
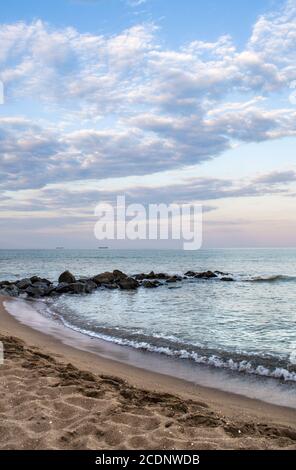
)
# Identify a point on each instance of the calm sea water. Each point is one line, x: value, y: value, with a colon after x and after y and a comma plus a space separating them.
x: 248, y: 326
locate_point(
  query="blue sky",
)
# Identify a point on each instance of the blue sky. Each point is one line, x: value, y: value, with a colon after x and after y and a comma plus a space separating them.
x: 180, y: 21
x: 162, y: 100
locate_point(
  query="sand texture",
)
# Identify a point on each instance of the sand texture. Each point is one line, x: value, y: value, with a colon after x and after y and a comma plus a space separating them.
x: 46, y: 403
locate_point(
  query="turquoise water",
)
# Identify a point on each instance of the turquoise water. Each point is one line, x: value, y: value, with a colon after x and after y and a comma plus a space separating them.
x: 248, y: 326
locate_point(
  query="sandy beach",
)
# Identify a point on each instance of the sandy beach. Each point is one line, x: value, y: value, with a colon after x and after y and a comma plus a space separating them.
x: 54, y: 396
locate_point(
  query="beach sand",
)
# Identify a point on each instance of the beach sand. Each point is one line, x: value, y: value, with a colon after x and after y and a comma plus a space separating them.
x: 53, y: 396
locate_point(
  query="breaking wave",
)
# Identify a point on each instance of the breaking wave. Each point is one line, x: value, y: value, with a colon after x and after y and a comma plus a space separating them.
x: 266, y: 366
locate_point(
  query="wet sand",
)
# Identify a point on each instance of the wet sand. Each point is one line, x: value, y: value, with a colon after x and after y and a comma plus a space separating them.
x: 54, y: 396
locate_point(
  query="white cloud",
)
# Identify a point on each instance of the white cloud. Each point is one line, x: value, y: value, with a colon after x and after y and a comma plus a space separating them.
x: 126, y: 105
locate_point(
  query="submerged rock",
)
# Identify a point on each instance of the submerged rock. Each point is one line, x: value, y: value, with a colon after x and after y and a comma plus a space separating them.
x: 67, y: 277
x: 227, y: 279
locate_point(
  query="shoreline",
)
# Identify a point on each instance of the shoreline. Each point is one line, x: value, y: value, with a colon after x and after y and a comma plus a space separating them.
x: 207, y: 377
x: 225, y: 406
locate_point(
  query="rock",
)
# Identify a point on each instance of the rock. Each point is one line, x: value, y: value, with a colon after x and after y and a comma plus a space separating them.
x: 32, y: 291
x: 175, y: 278
x: 5, y: 283
x: 67, y: 277
x: 35, y: 279
x: 110, y: 286
x: 104, y: 278
x: 10, y: 290
x: 38, y: 289
x: 206, y: 275
x: 220, y: 273
x: 61, y: 288
x: 162, y: 276
x: 77, y: 288
x: 24, y: 283
x: 90, y: 286
x: 227, y: 279
x: 152, y: 275
x: 118, y: 275
x: 150, y: 284
x: 190, y: 274
x: 140, y: 277
x: 128, y: 284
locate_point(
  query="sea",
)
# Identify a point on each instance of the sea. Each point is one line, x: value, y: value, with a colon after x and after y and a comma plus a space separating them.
x: 246, y: 328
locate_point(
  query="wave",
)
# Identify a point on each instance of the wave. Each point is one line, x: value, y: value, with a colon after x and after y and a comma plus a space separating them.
x: 271, y: 278
x: 247, y: 363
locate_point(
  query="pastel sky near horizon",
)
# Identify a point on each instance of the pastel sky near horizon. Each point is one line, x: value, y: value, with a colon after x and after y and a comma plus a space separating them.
x: 160, y: 100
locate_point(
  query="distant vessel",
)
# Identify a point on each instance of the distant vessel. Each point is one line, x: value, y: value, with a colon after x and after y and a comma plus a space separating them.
x: 103, y: 247
x: 60, y: 248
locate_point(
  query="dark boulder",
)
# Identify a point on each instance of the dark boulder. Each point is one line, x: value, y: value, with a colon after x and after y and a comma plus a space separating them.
x: 90, y: 286
x: 128, y: 284
x: 61, y: 288
x: 140, y: 277
x: 206, y: 275
x: 190, y: 274
x: 104, y: 278
x: 175, y: 278
x: 5, y: 283
x: 150, y: 284
x: 24, y: 283
x: 77, y: 288
x: 38, y: 289
x: 67, y: 277
x: 110, y: 286
x: 227, y: 279
x: 10, y: 290
x: 35, y: 279
x: 163, y: 276
x: 119, y: 275
x: 151, y: 276
x: 220, y: 273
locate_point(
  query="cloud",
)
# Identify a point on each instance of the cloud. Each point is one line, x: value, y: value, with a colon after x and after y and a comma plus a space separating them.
x: 277, y: 177
x: 125, y: 104
x: 78, y: 201
x: 136, y: 3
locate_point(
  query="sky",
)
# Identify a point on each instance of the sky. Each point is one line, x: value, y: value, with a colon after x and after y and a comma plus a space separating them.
x: 162, y: 101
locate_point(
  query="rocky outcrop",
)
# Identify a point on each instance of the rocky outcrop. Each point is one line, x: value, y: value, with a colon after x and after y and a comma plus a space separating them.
x: 67, y: 277
x: 36, y: 287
